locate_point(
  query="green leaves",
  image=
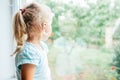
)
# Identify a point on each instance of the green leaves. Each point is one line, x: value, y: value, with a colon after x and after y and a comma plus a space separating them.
x: 73, y: 21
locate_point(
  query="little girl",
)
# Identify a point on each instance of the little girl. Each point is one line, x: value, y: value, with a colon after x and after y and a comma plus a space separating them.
x: 32, y: 25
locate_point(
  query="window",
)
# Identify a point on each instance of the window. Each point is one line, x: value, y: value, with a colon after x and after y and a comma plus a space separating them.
x: 78, y: 50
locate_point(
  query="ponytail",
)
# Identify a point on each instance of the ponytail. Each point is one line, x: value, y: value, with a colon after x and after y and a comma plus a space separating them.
x: 19, y: 31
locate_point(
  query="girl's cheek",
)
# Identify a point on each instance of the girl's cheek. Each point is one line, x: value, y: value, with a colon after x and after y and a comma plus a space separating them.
x: 46, y: 35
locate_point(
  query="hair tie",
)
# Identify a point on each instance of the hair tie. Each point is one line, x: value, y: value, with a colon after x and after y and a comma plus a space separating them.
x: 22, y: 10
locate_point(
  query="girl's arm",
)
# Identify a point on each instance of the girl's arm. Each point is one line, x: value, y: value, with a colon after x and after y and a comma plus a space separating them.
x: 27, y: 71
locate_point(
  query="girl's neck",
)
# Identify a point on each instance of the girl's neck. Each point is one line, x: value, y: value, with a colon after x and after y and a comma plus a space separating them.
x: 34, y: 40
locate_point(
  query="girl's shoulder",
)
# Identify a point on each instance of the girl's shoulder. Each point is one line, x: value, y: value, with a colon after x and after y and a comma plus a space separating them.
x: 29, y: 50
x: 29, y: 47
x: 29, y: 54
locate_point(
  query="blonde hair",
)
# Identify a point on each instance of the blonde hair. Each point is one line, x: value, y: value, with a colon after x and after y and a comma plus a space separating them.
x: 29, y: 21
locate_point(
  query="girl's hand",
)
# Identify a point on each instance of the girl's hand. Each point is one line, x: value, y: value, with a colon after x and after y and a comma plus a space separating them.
x: 27, y: 71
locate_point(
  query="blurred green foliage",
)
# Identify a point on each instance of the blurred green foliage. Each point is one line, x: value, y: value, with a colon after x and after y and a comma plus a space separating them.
x: 88, y: 24
x: 116, y: 60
